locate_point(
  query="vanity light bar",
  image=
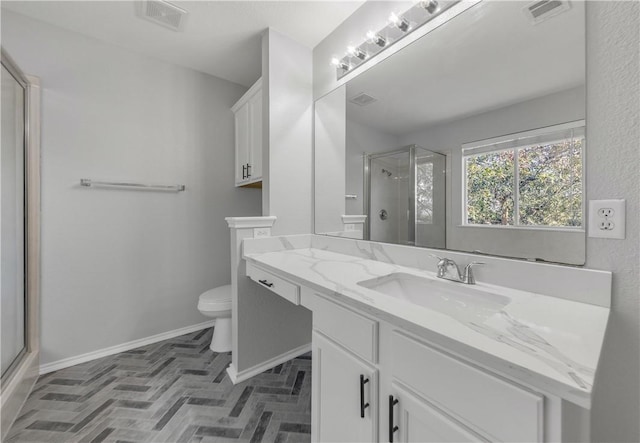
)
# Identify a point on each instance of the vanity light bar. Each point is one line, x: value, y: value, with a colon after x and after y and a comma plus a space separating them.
x: 400, y: 25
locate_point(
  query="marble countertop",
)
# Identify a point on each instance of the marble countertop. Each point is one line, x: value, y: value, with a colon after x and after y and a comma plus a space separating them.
x: 547, y: 342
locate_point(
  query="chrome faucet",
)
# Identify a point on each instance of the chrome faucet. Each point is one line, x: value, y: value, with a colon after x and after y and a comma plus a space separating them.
x: 449, y: 270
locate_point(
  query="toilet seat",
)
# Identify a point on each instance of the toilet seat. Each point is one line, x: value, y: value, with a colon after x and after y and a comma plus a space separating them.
x: 216, y: 299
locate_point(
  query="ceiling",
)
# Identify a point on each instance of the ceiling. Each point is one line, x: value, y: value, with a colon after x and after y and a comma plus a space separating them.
x: 221, y: 38
x: 488, y: 57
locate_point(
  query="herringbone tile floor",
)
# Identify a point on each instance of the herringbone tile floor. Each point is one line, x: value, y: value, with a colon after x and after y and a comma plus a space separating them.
x: 172, y: 391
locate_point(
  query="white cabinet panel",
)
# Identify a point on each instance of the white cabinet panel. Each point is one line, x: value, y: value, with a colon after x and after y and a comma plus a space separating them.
x: 255, y: 136
x: 242, y: 142
x: 274, y: 283
x: 501, y: 409
x: 337, y: 395
x: 353, y: 331
x: 418, y: 421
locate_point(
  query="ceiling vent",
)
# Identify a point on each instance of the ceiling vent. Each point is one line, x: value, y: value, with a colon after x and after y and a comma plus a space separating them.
x: 162, y: 13
x: 545, y: 9
x: 362, y: 99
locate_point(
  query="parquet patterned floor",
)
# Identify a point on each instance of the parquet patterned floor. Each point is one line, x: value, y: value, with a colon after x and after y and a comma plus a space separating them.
x: 172, y: 391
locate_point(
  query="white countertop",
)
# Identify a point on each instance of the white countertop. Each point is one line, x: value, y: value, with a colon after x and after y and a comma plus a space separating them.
x: 547, y: 342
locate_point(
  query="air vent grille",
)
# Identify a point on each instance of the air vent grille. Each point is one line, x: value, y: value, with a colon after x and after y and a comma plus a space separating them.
x: 362, y: 99
x: 163, y: 13
x: 545, y: 9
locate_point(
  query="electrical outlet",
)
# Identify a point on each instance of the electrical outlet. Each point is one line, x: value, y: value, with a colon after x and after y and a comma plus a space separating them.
x: 606, y: 225
x: 607, y: 218
x: 261, y: 232
x: 605, y: 212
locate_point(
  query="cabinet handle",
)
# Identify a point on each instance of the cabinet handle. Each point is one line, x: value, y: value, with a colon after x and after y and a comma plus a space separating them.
x: 266, y: 283
x: 243, y: 172
x: 363, y: 405
x: 248, y: 170
x: 392, y: 428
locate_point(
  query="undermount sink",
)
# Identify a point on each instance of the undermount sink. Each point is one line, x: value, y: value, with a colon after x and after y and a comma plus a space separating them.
x: 463, y: 302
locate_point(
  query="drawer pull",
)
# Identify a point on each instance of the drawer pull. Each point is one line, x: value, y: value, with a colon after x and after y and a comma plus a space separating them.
x: 392, y: 428
x: 363, y: 405
x: 266, y: 283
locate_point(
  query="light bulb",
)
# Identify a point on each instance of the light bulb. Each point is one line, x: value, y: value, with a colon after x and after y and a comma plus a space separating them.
x: 376, y: 38
x: 399, y: 22
x: 356, y: 52
x: 431, y: 6
x: 340, y: 64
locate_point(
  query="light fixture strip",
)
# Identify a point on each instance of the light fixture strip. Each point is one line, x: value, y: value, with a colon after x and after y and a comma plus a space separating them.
x: 400, y: 25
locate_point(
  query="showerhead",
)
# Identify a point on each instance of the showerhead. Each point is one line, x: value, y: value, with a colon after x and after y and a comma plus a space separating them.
x: 385, y: 171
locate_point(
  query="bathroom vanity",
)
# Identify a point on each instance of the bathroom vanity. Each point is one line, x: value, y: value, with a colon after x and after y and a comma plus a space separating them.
x: 471, y: 165
x: 400, y: 355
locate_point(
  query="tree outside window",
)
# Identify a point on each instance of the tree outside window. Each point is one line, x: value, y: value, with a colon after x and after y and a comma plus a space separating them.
x: 549, y: 185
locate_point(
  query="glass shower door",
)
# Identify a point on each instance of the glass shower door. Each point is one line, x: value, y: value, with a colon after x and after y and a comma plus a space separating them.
x: 405, y: 198
x: 389, y: 197
x: 12, y: 221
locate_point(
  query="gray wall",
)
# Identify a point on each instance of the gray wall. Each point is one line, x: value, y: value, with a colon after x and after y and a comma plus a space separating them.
x: 330, y: 127
x: 613, y: 158
x: 123, y: 265
x: 613, y: 122
x: 287, y: 123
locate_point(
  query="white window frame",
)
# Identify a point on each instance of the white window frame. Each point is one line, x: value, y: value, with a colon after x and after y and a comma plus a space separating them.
x: 516, y: 142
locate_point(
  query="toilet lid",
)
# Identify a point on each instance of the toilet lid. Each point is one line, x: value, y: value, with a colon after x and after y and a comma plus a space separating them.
x: 216, y: 299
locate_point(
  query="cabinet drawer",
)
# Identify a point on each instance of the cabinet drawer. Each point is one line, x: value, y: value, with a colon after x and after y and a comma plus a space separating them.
x: 274, y: 283
x: 353, y: 331
x: 498, y: 408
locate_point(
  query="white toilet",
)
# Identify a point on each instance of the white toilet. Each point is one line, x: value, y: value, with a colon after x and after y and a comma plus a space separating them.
x: 216, y: 303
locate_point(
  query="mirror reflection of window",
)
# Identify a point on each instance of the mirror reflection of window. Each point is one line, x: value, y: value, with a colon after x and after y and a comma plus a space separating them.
x: 524, y: 200
x: 424, y: 192
x: 530, y: 180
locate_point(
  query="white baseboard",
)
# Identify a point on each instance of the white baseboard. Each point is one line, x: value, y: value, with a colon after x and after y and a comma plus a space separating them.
x: 83, y: 358
x: 238, y: 377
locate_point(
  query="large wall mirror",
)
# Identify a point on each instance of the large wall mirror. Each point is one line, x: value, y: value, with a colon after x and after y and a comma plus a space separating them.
x: 471, y: 138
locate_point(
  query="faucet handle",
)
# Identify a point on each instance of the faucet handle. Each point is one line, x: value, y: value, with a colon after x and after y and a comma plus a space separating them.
x: 468, y: 276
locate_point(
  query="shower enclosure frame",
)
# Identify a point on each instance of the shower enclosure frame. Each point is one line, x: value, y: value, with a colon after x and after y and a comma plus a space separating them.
x: 411, y: 150
x: 18, y: 380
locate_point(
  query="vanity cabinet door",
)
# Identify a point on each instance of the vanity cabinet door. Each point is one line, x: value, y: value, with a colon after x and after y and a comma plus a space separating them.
x: 413, y: 419
x: 344, y: 395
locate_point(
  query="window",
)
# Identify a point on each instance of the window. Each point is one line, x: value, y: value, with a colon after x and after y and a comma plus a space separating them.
x: 424, y: 192
x: 531, y: 179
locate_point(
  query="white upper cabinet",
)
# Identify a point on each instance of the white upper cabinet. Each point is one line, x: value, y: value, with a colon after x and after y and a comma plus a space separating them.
x: 248, y: 133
